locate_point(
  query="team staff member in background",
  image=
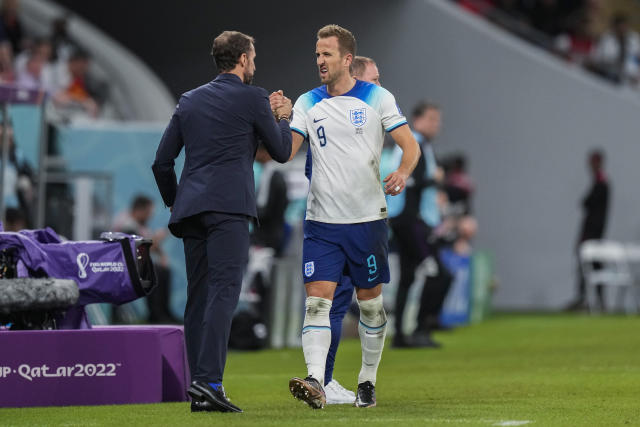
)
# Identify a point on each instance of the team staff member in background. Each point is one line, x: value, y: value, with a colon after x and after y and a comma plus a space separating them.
x: 365, y: 69
x: 212, y: 205
x: 595, y: 205
x: 345, y: 227
x: 415, y: 214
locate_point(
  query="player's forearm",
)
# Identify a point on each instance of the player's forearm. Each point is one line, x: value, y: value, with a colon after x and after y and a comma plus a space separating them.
x: 410, y: 157
x: 296, y: 143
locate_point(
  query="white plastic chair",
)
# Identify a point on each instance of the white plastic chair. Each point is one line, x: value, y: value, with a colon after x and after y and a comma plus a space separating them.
x: 613, y: 271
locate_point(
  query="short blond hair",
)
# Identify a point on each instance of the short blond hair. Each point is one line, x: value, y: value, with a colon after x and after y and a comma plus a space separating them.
x: 346, y: 41
x: 359, y: 65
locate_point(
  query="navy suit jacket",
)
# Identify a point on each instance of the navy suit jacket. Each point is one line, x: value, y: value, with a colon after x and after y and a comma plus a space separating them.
x: 218, y: 124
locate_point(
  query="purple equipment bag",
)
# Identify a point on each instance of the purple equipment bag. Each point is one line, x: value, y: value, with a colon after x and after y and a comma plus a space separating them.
x: 116, y: 270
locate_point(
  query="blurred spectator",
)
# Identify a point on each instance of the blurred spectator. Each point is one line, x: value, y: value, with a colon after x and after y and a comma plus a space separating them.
x: 595, y: 205
x: 466, y: 230
x: 35, y: 47
x: 63, y: 46
x: 10, y: 23
x: 269, y: 237
x: 7, y: 70
x: 271, y: 201
x: 459, y: 186
x: 33, y: 69
x: 14, y: 220
x: 73, y: 87
x: 617, y: 52
x: 18, y: 178
x: 415, y: 214
x: 577, y: 44
x: 135, y: 221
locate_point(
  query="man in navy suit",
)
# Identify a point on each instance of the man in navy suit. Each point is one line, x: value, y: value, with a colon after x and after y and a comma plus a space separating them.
x: 219, y: 125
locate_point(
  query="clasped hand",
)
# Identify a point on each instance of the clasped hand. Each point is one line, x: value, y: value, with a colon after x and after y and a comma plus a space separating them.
x: 280, y: 104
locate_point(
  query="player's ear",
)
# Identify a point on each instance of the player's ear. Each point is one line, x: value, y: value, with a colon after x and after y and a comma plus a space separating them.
x: 348, y: 59
x: 243, y: 60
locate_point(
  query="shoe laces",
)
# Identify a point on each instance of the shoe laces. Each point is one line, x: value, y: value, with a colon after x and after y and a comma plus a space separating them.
x: 315, y: 383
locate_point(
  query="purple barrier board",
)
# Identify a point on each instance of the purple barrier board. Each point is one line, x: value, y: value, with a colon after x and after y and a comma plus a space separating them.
x: 13, y: 94
x: 100, y: 366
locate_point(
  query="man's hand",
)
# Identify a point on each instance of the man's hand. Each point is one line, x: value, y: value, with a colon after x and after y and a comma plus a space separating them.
x: 395, y: 182
x: 276, y: 100
x: 280, y: 104
x: 286, y: 108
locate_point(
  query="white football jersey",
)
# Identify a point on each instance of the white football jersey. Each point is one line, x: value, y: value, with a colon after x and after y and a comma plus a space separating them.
x: 346, y: 134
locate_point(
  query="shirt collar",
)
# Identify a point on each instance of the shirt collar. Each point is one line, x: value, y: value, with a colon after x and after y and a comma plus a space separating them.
x: 228, y: 76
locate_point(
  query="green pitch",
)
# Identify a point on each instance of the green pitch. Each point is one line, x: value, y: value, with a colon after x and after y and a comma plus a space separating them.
x: 511, y: 370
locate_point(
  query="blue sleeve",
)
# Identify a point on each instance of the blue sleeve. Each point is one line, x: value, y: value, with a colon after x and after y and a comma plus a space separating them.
x: 308, y: 165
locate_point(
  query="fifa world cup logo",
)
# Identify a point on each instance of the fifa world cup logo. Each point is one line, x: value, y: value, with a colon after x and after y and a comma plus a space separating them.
x: 83, y: 260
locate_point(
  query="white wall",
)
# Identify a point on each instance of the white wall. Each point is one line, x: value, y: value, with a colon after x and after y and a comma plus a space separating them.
x: 526, y: 121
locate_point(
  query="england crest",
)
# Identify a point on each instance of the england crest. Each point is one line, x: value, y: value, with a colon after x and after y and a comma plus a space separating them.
x: 358, y: 117
x: 309, y: 268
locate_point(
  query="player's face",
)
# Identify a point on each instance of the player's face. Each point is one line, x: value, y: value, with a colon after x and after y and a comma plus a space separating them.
x: 331, y: 64
x: 250, y: 67
x: 429, y: 123
x: 371, y: 74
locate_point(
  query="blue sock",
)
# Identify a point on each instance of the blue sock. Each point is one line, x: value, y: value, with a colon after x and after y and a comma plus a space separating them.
x: 215, y: 386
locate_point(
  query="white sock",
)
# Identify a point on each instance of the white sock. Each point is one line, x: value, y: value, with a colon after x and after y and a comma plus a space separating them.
x: 316, y: 336
x: 373, y: 329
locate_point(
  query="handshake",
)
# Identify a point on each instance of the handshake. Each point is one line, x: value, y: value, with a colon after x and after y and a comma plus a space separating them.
x: 280, y: 106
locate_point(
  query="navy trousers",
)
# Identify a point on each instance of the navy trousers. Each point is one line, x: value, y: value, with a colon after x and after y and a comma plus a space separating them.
x: 216, y: 248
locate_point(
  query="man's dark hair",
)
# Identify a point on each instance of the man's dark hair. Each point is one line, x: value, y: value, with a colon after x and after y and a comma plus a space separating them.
x: 460, y: 162
x: 346, y: 41
x: 359, y: 64
x: 141, y: 202
x: 596, y: 157
x: 422, y: 107
x: 228, y: 47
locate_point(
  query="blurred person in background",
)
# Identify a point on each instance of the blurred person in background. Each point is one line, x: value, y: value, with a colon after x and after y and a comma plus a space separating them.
x: 63, y: 45
x: 458, y: 184
x: 269, y: 236
x: 466, y: 230
x: 617, y: 52
x: 10, y: 25
x: 33, y: 69
x: 19, y: 179
x: 39, y: 46
x: 414, y: 218
x: 595, y: 206
x: 74, y: 90
x: 272, y: 202
x: 7, y: 70
x: 135, y: 220
x: 14, y: 220
x: 365, y: 69
x: 577, y: 43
